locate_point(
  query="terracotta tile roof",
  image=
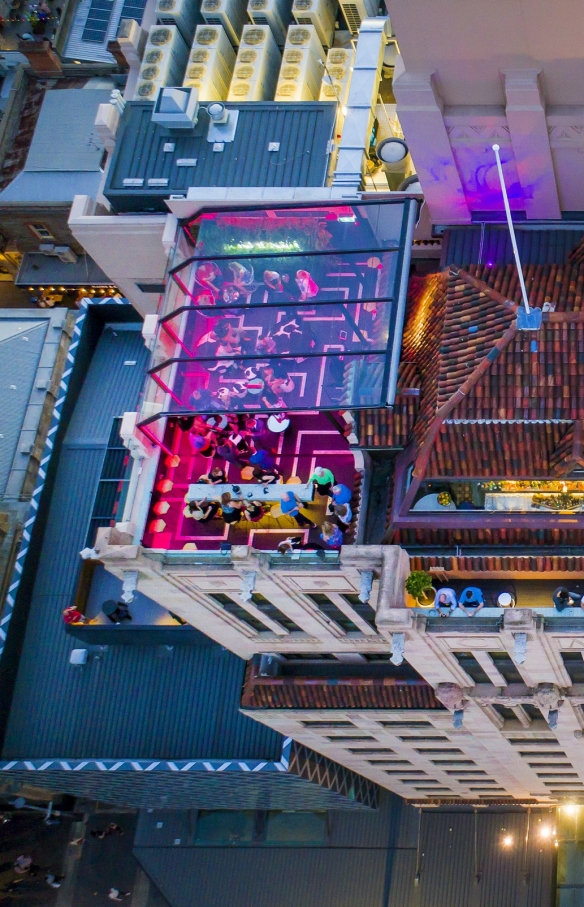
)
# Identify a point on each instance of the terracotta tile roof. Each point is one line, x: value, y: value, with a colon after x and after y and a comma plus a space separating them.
x: 567, y: 456
x: 501, y: 563
x: 450, y: 538
x: 418, y: 368
x: 485, y: 371
x: 325, y: 693
x: 495, y: 450
x: 393, y: 427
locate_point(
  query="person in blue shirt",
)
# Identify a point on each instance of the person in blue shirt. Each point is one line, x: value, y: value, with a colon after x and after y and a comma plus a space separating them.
x: 332, y: 535
x: 341, y: 494
x: 290, y: 507
x: 471, y: 601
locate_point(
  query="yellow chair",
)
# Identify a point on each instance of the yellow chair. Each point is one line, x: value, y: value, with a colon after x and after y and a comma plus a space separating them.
x: 294, y: 480
x: 247, y: 473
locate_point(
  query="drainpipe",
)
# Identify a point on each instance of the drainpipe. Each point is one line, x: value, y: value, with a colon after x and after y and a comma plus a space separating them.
x: 361, y: 103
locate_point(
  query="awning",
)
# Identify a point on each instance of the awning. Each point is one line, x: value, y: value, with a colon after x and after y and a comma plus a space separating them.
x: 38, y: 270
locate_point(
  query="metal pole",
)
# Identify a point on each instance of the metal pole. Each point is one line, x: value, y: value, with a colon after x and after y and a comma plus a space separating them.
x: 511, y: 230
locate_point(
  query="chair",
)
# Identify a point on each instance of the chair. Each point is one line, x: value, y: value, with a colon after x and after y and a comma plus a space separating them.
x: 294, y: 480
x: 161, y: 507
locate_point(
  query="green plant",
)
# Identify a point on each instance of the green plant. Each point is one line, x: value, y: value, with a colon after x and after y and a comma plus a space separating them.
x: 418, y: 582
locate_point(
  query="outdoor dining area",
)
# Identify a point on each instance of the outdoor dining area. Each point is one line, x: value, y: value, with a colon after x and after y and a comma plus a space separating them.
x: 440, y: 595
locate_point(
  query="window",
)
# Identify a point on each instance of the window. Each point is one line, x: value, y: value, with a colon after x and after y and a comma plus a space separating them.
x: 470, y: 665
x: 574, y: 665
x: 460, y: 771
x: 155, y: 288
x: 406, y: 724
x: 354, y: 738
x: 40, y: 231
x: 440, y: 752
x: 330, y: 610
x: 453, y: 761
x: 237, y: 611
x: 533, y: 712
x: 367, y: 751
x: 364, y: 610
x: 504, y: 712
x: 403, y: 771
x: 420, y: 739
x: 380, y: 762
x: 505, y: 666
x: 532, y: 741
x: 327, y: 724
x: 270, y: 610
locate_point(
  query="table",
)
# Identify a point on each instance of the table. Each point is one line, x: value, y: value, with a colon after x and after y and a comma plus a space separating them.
x: 273, y: 492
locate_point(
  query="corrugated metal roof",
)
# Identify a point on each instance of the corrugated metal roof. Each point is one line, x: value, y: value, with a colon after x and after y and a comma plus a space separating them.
x: 50, y: 186
x: 132, y: 702
x: 264, y: 877
x: 376, y: 863
x: 302, y: 130
x: 197, y: 790
x: 490, y: 243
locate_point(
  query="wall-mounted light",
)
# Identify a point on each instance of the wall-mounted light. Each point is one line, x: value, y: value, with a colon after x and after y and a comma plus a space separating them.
x: 507, y: 841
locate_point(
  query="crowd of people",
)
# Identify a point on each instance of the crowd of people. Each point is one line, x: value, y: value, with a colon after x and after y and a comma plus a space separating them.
x: 237, y: 440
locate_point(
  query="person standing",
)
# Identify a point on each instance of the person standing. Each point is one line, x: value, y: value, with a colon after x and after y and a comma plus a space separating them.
x: 341, y: 494
x: 332, y: 535
x: 323, y: 480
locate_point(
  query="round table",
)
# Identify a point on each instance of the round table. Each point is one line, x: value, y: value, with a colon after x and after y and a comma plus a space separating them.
x: 278, y: 424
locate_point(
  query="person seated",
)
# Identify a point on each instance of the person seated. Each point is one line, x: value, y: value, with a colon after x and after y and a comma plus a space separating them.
x: 307, y: 286
x: 253, y: 512
x: 273, y: 281
x: 231, y: 509
x: 563, y: 599
x: 202, y: 511
x: 471, y: 601
x: 215, y: 477
x: 205, y: 445
x: 72, y: 615
x: 242, y: 277
x: 446, y: 602
x: 207, y: 274
x: 116, y: 611
x: 265, y: 476
x: 290, y: 506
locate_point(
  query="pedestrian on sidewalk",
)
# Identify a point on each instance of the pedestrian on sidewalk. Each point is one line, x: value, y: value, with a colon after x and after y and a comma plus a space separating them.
x: 116, y: 895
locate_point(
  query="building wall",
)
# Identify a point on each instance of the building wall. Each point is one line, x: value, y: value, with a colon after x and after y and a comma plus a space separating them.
x: 186, y: 588
x: 15, y: 220
x: 129, y: 249
x: 508, y: 73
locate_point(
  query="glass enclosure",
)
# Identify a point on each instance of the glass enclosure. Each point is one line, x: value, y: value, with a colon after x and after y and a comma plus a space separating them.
x: 284, y: 309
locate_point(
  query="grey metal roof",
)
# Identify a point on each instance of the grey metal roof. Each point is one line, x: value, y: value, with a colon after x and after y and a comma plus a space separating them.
x: 371, y: 863
x: 131, y: 703
x: 65, y: 153
x: 28, y: 346
x: 304, y: 131
x: 491, y: 243
x: 49, y: 187
x: 65, y: 137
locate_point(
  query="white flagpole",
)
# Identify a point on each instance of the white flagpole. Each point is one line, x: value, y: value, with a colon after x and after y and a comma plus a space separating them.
x: 512, y: 231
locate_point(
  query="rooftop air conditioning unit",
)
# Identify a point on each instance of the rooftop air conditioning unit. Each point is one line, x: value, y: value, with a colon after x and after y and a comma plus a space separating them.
x: 301, y: 73
x: 210, y: 65
x: 231, y: 14
x: 163, y: 62
x: 182, y: 13
x: 336, y: 78
x: 320, y: 13
x: 355, y: 11
x: 275, y: 13
x: 256, y: 67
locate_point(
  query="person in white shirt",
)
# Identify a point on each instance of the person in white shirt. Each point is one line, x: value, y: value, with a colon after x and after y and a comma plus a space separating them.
x: 446, y: 602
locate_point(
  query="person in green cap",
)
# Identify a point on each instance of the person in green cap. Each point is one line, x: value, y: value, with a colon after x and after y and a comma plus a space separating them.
x: 323, y: 480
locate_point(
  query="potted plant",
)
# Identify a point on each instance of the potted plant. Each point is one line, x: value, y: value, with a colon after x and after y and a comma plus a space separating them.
x: 419, y: 586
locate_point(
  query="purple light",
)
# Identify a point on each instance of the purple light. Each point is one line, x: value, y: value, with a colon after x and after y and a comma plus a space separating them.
x: 490, y: 264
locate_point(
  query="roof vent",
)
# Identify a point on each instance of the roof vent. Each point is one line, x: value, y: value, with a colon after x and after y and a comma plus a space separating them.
x: 176, y: 108
x: 218, y: 112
